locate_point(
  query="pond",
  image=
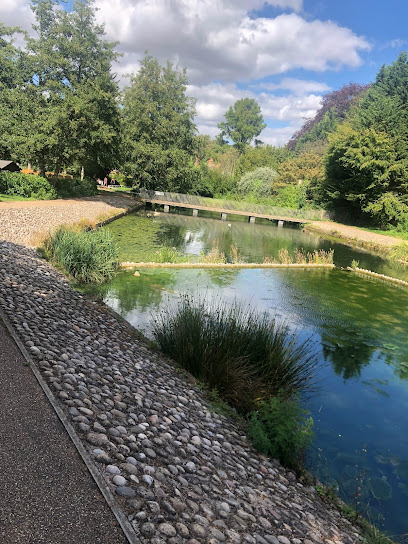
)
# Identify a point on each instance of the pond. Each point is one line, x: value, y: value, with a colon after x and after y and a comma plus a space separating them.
x: 358, y: 325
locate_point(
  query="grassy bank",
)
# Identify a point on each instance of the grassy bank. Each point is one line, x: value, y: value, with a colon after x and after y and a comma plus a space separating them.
x: 86, y: 256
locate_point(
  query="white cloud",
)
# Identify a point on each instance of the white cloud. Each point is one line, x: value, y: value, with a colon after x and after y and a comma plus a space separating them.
x: 278, y: 136
x: 16, y: 13
x: 218, y: 40
x: 213, y: 101
x: 297, y: 86
x: 398, y: 43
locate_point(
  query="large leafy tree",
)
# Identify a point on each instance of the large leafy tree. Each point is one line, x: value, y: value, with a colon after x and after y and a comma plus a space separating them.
x: 362, y: 165
x: 334, y: 110
x: 63, y: 109
x: 367, y: 160
x: 261, y: 156
x: 243, y: 122
x: 158, y: 128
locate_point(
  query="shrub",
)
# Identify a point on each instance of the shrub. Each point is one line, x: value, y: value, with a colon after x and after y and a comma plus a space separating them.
x: 242, y: 353
x: 389, y: 209
x: 87, y: 256
x: 259, y: 182
x: 67, y: 187
x: 26, y: 185
x: 290, y: 196
x: 281, y: 429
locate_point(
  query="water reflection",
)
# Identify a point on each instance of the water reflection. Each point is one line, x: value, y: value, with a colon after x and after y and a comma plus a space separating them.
x: 347, y: 360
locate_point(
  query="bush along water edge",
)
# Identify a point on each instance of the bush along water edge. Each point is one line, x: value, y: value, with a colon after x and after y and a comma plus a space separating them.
x: 248, y: 358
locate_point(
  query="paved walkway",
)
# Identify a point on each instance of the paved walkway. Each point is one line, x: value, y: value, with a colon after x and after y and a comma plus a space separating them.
x: 47, y: 494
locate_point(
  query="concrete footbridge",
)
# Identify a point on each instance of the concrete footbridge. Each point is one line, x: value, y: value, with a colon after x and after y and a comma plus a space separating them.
x: 225, y: 208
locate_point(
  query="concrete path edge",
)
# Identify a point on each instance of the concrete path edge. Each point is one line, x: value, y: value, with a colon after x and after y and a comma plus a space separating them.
x: 104, y: 489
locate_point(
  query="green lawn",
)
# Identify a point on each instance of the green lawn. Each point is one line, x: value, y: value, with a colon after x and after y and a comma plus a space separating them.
x: 14, y: 198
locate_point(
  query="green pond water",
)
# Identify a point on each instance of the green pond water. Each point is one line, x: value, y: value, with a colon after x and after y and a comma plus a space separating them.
x: 359, y: 325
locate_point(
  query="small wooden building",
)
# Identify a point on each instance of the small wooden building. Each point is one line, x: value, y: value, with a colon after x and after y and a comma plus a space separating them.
x: 11, y: 166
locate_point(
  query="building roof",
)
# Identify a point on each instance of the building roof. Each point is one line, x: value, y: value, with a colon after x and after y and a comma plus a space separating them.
x: 6, y: 165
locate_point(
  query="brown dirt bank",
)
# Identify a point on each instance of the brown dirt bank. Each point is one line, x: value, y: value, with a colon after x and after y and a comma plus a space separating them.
x: 353, y: 235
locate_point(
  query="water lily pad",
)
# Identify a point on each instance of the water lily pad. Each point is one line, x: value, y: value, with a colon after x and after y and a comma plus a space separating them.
x: 403, y: 488
x: 380, y: 488
x: 402, y: 470
x: 351, y: 471
x: 390, y: 346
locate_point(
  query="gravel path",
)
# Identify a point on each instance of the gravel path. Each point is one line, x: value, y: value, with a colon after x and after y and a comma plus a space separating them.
x: 41, y: 469
x: 181, y: 473
x: 352, y: 234
x: 26, y: 222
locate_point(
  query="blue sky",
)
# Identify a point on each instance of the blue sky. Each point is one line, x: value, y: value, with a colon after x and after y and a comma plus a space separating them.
x: 284, y: 53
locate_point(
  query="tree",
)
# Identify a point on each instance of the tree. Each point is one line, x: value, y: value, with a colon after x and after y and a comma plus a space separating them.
x: 265, y: 155
x: 334, y: 109
x: 307, y: 170
x: 244, y: 122
x: 360, y: 167
x: 62, y: 107
x: 258, y: 183
x: 158, y: 128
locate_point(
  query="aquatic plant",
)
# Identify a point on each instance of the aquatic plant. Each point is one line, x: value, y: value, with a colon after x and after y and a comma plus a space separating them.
x: 300, y: 256
x: 284, y: 257
x: 282, y: 429
x: 213, y: 256
x: 168, y: 255
x: 87, y: 256
x: 380, y: 488
x: 246, y: 355
x: 235, y: 256
x: 354, y: 264
x: 320, y: 256
x: 400, y: 252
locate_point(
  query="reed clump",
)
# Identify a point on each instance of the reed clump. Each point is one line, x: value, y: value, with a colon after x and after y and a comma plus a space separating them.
x: 299, y: 256
x: 89, y: 256
x: 245, y: 355
x: 213, y: 256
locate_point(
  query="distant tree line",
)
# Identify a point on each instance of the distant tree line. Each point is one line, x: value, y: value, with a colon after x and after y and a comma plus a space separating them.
x: 61, y: 109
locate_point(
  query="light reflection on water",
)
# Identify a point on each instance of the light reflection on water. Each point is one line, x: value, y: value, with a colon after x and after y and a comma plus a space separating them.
x: 359, y: 325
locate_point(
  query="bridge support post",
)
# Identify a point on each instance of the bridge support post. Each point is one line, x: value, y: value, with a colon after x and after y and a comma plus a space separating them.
x: 166, y: 208
x: 280, y: 223
x: 223, y: 216
x: 251, y: 219
x: 195, y: 213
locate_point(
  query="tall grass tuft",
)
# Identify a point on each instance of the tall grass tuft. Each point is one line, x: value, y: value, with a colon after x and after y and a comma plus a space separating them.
x: 88, y: 256
x: 243, y: 354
